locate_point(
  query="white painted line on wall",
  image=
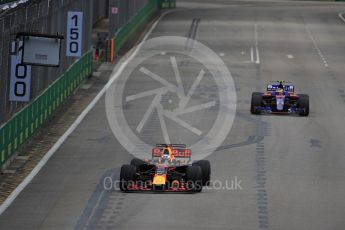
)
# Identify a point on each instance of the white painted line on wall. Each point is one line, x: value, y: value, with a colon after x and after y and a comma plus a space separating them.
x: 80, y: 118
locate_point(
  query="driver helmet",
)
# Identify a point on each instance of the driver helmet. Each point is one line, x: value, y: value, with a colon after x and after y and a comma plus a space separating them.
x: 280, y: 86
x: 166, y: 153
x: 280, y: 91
x: 165, y: 156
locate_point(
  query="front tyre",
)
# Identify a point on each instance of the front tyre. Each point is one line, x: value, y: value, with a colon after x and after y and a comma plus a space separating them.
x: 205, y: 171
x: 127, y: 176
x: 194, y: 178
x: 303, y: 105
x: 256, y: 102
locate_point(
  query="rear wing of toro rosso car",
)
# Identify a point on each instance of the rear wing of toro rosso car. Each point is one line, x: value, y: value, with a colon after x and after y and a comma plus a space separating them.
x: 274, y: 87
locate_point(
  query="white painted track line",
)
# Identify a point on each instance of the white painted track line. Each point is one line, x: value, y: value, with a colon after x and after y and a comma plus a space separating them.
x: 317, y: 48
x: 257, y: 56
x: 251, y: 54
x: 256, y: 38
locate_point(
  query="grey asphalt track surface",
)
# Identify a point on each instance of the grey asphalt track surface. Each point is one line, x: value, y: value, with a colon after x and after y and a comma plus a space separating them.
x: 291, y: 169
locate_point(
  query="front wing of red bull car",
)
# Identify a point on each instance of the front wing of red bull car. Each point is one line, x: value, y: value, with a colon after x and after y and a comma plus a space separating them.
x: 176, y: 174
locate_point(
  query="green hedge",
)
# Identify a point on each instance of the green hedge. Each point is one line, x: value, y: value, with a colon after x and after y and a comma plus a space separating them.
x: 25, y: 123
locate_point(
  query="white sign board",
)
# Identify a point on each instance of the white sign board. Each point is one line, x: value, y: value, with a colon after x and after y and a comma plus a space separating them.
x: 20, y: 78
x: 42, y: 51
x: 74, y: 34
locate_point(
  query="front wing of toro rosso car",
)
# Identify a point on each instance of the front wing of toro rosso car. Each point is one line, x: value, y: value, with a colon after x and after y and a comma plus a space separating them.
x: 280, y: 99
x: 169, y: 170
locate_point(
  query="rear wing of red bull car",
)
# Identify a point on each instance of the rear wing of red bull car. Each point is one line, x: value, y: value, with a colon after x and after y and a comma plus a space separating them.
x: 178, y: 150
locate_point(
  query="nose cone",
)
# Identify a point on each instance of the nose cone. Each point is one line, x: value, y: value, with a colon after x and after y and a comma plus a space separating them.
x: 159, y: 180
x: 280, y: 103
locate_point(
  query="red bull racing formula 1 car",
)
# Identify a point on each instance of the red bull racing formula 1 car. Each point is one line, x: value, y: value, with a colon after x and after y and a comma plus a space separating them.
x: 169, y: 170
x: 280, y: 98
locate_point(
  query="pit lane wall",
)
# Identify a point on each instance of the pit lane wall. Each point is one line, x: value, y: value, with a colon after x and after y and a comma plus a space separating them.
x: 24, y: 124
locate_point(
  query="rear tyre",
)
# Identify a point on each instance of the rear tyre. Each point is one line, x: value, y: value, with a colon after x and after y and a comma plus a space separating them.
x: 256, y: 102
x: 205, y: 171
x: 137, y: 162
x: 127, y: 176
x: 194, y: 178
x: 303, y: 105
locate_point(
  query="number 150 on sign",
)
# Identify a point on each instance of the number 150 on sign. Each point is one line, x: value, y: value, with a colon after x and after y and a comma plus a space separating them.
x: 74, y: 34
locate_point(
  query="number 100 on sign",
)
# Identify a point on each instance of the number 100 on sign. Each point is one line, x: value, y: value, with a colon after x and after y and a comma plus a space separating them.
x: 74, y: 34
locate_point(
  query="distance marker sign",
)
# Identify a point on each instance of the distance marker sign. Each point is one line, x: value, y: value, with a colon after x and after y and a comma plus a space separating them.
x: 20, y: 77
x: 74, y: 34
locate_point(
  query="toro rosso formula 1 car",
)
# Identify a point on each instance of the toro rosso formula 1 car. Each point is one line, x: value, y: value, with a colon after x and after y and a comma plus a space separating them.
x: 280, y: 98
x: 169, y: 170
